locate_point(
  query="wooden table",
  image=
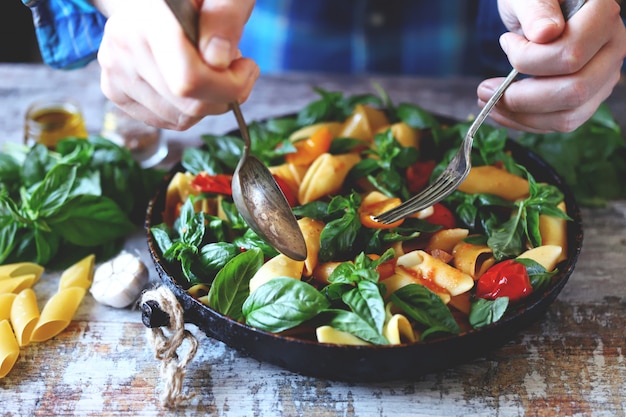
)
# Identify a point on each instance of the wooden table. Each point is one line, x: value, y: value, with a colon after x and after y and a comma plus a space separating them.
x: 570, y: 363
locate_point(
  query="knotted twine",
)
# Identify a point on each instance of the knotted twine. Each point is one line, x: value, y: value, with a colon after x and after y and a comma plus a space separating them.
x: 172, y: 369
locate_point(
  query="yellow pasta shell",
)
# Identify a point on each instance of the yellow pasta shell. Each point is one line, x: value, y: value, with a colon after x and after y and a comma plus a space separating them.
x: 279, y: 266
x: 57, y: 313
x: 398, y: 330
x: 311, y: 230
x: 554, y: 231
x: 363, y: 123
x: 474, y: 260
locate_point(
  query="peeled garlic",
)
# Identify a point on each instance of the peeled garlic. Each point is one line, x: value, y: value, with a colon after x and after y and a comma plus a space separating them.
x: 119, y: 281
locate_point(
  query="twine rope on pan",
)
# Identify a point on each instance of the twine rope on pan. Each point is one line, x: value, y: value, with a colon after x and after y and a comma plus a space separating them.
x: 165, y: 348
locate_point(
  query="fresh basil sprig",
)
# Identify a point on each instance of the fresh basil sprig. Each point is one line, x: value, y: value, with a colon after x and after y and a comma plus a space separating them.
x: 57, y: 206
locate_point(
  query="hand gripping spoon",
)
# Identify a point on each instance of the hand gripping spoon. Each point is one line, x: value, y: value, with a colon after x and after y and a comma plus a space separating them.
x: 256, y: 195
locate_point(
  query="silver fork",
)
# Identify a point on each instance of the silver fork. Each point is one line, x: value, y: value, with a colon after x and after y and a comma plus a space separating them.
x: 460, y: 165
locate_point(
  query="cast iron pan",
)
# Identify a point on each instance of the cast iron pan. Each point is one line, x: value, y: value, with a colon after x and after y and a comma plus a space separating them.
x: 369, y: 363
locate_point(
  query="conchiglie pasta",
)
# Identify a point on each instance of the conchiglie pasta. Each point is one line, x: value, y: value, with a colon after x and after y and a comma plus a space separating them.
x: 57, y: 313
x: 78, y: 275
x: 9, y: 348
x: 24, y: 316
x: 488, y: 179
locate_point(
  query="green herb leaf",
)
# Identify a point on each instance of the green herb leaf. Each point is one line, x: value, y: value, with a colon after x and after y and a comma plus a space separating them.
x: 283, y: 303
x: 484, y: 312
x: 425, y: 307
x: 231, y: 285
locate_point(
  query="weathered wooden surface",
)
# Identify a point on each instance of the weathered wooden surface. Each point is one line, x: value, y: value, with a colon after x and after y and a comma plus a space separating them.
x: 570, y: 363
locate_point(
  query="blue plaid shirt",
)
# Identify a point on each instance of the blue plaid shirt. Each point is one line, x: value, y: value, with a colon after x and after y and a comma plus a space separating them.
x: 429, y: 38
x: 69, y: 32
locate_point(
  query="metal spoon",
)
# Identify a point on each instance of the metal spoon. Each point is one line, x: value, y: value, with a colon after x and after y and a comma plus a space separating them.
x: 256, y: 195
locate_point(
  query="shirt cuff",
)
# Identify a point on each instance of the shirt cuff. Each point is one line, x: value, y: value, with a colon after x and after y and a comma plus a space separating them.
x: 69, y: 32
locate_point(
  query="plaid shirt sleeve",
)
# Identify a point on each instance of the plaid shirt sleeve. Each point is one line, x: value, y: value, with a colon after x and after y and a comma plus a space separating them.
x: 69, y: 32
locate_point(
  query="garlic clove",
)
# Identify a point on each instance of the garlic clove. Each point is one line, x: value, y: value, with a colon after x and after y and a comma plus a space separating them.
x: 118, y: 282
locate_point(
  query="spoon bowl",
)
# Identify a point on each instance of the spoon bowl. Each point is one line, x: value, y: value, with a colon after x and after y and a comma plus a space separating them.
x: 262, y: 204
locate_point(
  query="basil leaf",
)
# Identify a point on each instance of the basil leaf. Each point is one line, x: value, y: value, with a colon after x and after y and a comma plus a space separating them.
x: 8, y: 231
x: 214, y: 256
x: 538, y: 275
x: 230, y: 287
x: 365, y: 301
x: 425, y: 307
x: 352, y: 323
x: 53, y: 191
x: 89, y: 220
x: 484, y: 312
x: 283, y: 303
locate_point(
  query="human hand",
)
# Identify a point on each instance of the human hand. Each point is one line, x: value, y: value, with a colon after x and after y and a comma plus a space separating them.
x: 574, y: 65
x: 152, y: 71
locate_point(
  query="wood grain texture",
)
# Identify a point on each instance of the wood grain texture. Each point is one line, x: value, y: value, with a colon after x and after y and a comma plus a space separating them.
x: 569, y: 363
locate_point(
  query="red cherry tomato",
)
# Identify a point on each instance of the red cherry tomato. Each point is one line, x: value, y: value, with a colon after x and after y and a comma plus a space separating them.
x: 442, y: 216
x: 218, y: 184
x: 418, y: 174
x: 505, y: 279
x: 290, y: 195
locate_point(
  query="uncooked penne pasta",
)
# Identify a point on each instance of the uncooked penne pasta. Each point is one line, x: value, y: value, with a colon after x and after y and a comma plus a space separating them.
x: 24, y: 316
x: 6, y: 301
x: 57, y: 314
x: 9, y: 348
x: 78, y: 275
x: 17, y: 284
x: 19, y: 269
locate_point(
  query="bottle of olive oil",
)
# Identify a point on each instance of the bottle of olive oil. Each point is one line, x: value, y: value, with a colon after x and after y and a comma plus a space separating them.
x: 49, y: 121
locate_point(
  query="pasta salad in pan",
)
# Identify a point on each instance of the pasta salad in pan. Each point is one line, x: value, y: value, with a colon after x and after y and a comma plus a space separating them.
x: 455, y: 266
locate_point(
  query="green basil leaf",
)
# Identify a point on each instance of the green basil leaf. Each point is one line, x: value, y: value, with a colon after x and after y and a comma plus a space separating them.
x: 539, y: 277
x: 8, y: 232
x: 53, y: 191
x: 230, y: 287
x: 484, y: 312
x: 365, y: 301
x: 352, y: 323
x: 89, y: 220
x: 214, y: 256
x: 283, y: 303
x: 425, y: 307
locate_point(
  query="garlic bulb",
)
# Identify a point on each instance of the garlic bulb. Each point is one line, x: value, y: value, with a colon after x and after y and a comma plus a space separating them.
x: 119, y: 281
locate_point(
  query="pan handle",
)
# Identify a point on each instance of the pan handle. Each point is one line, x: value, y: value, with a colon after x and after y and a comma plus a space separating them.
x: 153, y: 316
